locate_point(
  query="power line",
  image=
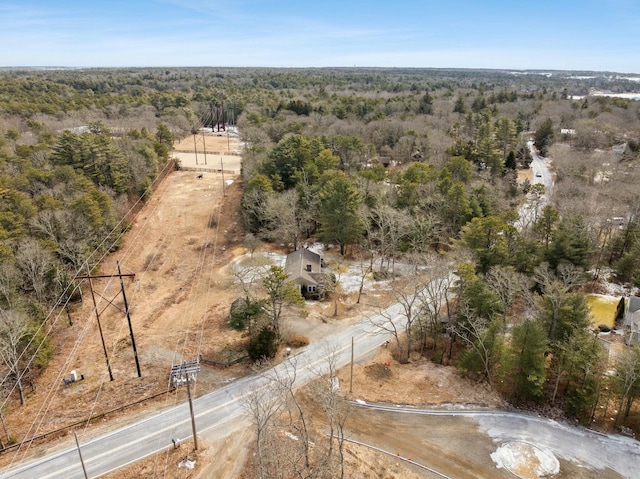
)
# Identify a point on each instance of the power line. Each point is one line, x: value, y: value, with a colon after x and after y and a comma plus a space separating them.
x: 89, y: 276
x: 64, y: 298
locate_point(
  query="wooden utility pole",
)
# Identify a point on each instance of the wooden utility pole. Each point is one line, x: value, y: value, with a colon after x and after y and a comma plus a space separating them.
x: 95, y: 308
x: 186, y: 372
x: 126, y: 312
x: 84, y: 469
x: 351, y: 376
x: 89, y: 277
x: 222, y: 171
x: 204, y: 146
x: 193, y: 418
x: 195, y: 147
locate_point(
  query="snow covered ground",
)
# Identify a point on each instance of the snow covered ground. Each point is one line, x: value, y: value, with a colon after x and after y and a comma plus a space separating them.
x: 526, y: 460
x: 348, y: 273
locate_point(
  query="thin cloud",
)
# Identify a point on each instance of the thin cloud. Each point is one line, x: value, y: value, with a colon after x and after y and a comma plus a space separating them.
x: 591, y: 35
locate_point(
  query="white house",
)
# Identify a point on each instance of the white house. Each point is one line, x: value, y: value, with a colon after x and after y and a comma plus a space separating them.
x: 631, y: 323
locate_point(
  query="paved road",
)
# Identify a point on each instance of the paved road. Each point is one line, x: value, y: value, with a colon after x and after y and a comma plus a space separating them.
x: 132, y: 443
x: 541, y: 175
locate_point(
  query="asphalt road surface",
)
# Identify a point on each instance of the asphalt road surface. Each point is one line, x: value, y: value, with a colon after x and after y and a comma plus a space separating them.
x: 224, y: 409
x: 217, y: 409
x: 541, y: 175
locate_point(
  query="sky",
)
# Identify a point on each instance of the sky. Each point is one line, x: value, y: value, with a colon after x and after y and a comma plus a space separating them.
x: 584, y: 35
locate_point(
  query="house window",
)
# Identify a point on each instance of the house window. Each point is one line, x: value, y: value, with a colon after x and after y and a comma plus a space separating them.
x: 311, y: 288
x: 308, y: 266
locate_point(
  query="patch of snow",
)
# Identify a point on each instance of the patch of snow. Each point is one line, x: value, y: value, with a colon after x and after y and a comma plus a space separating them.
x: 335, y: 383
x: 293, y: 437
x: 580, y: 446
x: 628, y: 96
x: 317, y: 248
x: 515, y: 456
x: 187, y: 464
x: 607, y: 298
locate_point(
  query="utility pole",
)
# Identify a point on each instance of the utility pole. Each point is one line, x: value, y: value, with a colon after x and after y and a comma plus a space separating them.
x: 204, y: 146
x: 214, y: 117
x: 90, y: 276
x: 193, y: 418
x: 187, y: 372
x: 351, y: 376
x: 126, y: 312
x: 95, y: 307
x: 84, y: 469
x: 195, y: 147
x: 222, y: 171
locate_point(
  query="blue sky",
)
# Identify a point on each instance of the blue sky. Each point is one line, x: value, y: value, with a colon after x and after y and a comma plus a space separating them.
x: 570, y: 34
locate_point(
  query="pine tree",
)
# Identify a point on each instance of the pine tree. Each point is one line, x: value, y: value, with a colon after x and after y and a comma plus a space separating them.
x: 339, y: 200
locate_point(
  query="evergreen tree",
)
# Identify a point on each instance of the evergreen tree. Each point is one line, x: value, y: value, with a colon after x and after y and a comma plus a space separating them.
x: 339, y: 201
x: 570, y: 244
x: 426, y: 104
x: 524, y: 367
x: 459, y: 106
x: 279, y: 293
x: 543, y: 137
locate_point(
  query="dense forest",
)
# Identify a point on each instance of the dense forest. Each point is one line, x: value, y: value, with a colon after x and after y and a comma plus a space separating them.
x: 394, y: 165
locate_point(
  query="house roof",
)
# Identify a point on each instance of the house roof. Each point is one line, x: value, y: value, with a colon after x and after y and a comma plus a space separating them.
x: 296, y: 266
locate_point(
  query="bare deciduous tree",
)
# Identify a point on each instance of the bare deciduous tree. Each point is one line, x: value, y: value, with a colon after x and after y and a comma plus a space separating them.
x: 282, y: 420
x: 628, y: 368
x: 286, y: 222
x: 36, y: 265
x: 14, y: 328
x: 392, y: 226
x: 8, y: 281
x: 436, y: 295
x: 408, y: 295
x: 477, y: 334
x: 507, y: 284
x: 335, y: 407
x: 263, y: 405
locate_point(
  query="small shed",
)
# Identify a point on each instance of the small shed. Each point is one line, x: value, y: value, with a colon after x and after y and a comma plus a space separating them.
x: 305, y: 271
